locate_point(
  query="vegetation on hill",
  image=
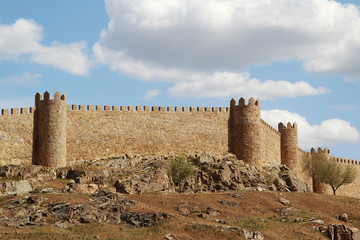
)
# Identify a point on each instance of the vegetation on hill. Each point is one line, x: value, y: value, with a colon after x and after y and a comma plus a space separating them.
x: 180, y: 170
x: 325, y: 170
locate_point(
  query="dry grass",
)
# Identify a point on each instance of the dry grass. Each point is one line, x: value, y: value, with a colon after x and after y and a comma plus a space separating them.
x: 255, y: 211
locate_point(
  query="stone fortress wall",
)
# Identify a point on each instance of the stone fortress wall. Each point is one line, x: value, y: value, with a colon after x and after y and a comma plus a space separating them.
x: 54, y: 133
x: 110, y: 132
x: 16, y: 136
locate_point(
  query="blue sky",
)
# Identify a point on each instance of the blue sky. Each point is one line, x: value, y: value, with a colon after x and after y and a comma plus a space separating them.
x: 301, y: 58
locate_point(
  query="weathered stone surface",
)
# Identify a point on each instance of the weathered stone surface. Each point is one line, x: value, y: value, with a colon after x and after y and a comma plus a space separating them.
x: 342, y: 232
x: 103, y: 207
x: 317, y: 221
x: 213, y: 212
x: 284, y: 201
x: 247, y: 234
x: 229, y: 203
x: 286, y: 211
x: 285, y: 179
x: 146, y: 174
x: 143, y: 220
x: 185, y: 209
x: 205, y: 159
x: 344, y: 217
x: 15, y: 187
x: 149, y: 178
x: 170, y: 237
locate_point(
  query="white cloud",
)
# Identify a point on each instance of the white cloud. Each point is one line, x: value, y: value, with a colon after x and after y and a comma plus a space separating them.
x: 199, y: 84
x: 232, y: 34
x: 173, y: 40
x: 227, y: 84
x: 26, y: 79
x: 152, y: 93
x: 327, y: 133
x: 22, y: 40
x: 345, y: 107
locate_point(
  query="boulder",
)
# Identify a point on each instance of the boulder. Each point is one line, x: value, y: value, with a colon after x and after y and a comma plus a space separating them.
x: 229, y: 203
x: 317, y: 221
x: 22, y: 187
x: 284, y: 201
x: 206, y: 159
x: 170, y: 237
x: 143, y: 219
x: 185, y: 209
x: 342, y: 232
x: 343, y: 217
x: 15, y: 187
x: 286, y: 211
x: 284, y: 179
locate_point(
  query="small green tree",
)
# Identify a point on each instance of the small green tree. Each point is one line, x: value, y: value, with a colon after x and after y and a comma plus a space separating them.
x: 336, y: 175
x: 328, y: 171
x: 311, y: 165
x: 180, y: 170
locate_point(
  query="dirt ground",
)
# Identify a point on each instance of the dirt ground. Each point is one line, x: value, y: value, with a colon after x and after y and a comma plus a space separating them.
x: 254, y: 211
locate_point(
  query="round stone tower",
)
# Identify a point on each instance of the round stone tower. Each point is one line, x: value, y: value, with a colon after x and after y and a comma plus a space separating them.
x: 289, y: 145
x: 49, y: 145
x: 245, y: 131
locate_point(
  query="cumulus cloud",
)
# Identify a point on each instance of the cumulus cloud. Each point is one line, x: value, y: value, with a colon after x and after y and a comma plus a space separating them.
x: 179, y: 40
x: 200, y: 84
x: 168, y: 37
x: 152, y: 93
x: 22, y: 40
x: 227, y: 84
x: 26, y: 79
x: 327, y: 133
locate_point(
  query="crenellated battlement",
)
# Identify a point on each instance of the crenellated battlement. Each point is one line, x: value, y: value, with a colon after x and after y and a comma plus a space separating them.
x: 242, y: 103
x: 320, y: 150
x: 346, y: 161
x: 15, y: 111
x: 337, y: 159
x: 146, y: 108
x: 269, y: 126
x: 288, y: 126
x: 47, y: 97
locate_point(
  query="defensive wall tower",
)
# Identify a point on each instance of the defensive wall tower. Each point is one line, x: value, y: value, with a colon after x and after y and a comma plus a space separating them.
x: 318, y: 186
x: 245, y: 131
x: 289, y: 145
x: 49, y: 136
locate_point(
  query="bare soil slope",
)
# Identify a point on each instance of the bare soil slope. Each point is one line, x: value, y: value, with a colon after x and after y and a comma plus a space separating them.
x: 200, y: 216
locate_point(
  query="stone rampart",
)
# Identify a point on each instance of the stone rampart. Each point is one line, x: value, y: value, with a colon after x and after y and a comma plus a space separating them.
x: 16, y: 139
x: 270, y: 142
x: 55, y: 133
x: 111, y: 131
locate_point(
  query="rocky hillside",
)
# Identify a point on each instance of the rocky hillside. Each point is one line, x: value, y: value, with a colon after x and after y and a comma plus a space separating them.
x: 131, y: 197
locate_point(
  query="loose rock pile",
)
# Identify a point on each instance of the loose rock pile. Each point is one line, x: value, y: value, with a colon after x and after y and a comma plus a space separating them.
x: 102, y: 181
x: 103, y: 206
x: 138, y: 175
x: 213, y: 174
